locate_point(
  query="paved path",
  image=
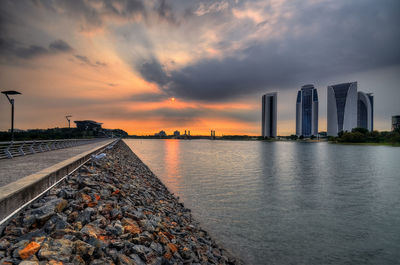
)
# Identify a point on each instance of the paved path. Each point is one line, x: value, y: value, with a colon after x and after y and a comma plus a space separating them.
x: 22, y: 166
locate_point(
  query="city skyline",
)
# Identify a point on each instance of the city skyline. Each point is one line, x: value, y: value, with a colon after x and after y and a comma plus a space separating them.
x: 145, y: 65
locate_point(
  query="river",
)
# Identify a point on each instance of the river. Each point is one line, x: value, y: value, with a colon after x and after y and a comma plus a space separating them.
x: 287, y: 202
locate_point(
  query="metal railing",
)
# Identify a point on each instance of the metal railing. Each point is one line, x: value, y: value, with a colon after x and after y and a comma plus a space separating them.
x: 21, y: 148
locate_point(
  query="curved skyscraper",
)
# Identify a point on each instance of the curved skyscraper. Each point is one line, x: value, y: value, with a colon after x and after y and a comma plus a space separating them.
x: 342, y: 107
x: 307, y: 111
x: 269, y: 115
x: 365, y: 111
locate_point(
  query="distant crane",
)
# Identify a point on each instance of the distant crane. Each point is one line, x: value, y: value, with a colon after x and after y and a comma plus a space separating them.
x: 69, y: 121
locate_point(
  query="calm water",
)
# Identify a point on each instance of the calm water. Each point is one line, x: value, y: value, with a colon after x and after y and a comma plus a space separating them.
x: 284, y: 202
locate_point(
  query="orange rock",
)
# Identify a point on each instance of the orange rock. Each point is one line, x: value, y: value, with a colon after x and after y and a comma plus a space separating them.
x: 172, y: 247
x: 163, y: 238
x: 168, y: 255
x: 132, y: 228
x: 115, y: 192
x: 86, y: 197
x: 97, y: 197
x: 102, y: 238
x: 169, y: 235
x: 92, y: 204
x: 29, y: 250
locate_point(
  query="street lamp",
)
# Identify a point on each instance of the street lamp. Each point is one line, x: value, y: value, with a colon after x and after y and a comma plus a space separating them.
x: 11, y: 100
x: 69, y: 121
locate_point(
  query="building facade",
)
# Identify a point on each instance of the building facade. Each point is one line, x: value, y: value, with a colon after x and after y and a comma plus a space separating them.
x: 307, y: 111
x: 342, y: 107
x: 269, y: 115
x: 396, y: 122
x: 365, y: 111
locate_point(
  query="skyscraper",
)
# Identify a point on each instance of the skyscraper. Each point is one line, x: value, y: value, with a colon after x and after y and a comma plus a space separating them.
x: 342, y: 107
x: 269, y: 115
x: 395, y: 122
x: 365, y: 111
x: 307, y: 111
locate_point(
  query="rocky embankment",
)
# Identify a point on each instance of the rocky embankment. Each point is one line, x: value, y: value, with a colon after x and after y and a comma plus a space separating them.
x: 112, y: 211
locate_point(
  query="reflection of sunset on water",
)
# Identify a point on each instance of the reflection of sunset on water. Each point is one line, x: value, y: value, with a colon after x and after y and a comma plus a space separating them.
x: 172, y: 163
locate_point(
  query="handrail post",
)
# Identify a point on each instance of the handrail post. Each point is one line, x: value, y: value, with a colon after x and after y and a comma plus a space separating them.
x: 7, y: 151
x: 31, y: 147
x: 20, y: 149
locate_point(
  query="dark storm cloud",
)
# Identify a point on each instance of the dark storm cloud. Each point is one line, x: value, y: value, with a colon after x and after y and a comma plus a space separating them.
x: 12, y: 48
x: 319, y: 41
x: 153, y: 71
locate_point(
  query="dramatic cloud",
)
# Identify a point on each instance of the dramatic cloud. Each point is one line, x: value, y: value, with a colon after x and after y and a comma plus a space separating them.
x: 93, y: 14
x: 11, y: 47
x: 153, y: 71
x: 314, y: 44
x: 121, y: 61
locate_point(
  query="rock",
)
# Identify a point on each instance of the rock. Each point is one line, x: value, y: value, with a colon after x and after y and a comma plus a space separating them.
x: 46, y: 211
x: 92, y: 230
x: 86, y: 215
x: 83, y: 249
x: 29, y: 250
x: 29, y: 220
x: 56, y: 249
x: 131, y: 226
x: 119, y: 228
x: 156, y: 247
x: 124, y: 260
x: 29, y: 262
x: 78, y: 260
x: 136, y: 259
x: 4, y: 244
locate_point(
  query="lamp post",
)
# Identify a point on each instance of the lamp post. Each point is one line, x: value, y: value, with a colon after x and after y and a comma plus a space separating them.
x: 11, y: 100
x: 69, y: 121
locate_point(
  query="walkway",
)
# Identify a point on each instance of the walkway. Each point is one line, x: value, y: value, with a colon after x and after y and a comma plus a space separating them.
x: 22, y: 166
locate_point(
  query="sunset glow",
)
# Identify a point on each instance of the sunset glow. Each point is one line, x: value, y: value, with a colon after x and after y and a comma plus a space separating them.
x: 198, y: 65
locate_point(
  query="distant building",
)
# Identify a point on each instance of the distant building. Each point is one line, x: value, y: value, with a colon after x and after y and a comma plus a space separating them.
x: 269, y: 115
x: 342, y: 108
x: 307, y: 111
x: 161, y: 134
x: 365, y: 111
x: 395, y: 122
x: 177, y: 133
x: 88, y: 125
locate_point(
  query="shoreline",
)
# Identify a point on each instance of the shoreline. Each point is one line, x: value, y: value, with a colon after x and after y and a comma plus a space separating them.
x: 111, y: 211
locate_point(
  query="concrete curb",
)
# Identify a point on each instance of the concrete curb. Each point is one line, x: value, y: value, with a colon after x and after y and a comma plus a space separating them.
x: 16, y: 194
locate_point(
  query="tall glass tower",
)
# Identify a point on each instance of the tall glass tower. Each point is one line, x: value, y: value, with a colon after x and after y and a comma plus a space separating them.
x: 269, y: 115
x: 342, y: 108
x: 365, y: 111
x: 307, y: 111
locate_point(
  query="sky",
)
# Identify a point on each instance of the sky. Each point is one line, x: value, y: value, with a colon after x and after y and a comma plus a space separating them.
x: 121, y: 62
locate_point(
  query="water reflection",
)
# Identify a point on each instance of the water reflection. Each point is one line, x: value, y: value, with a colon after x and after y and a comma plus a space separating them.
x: 171, y: 159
